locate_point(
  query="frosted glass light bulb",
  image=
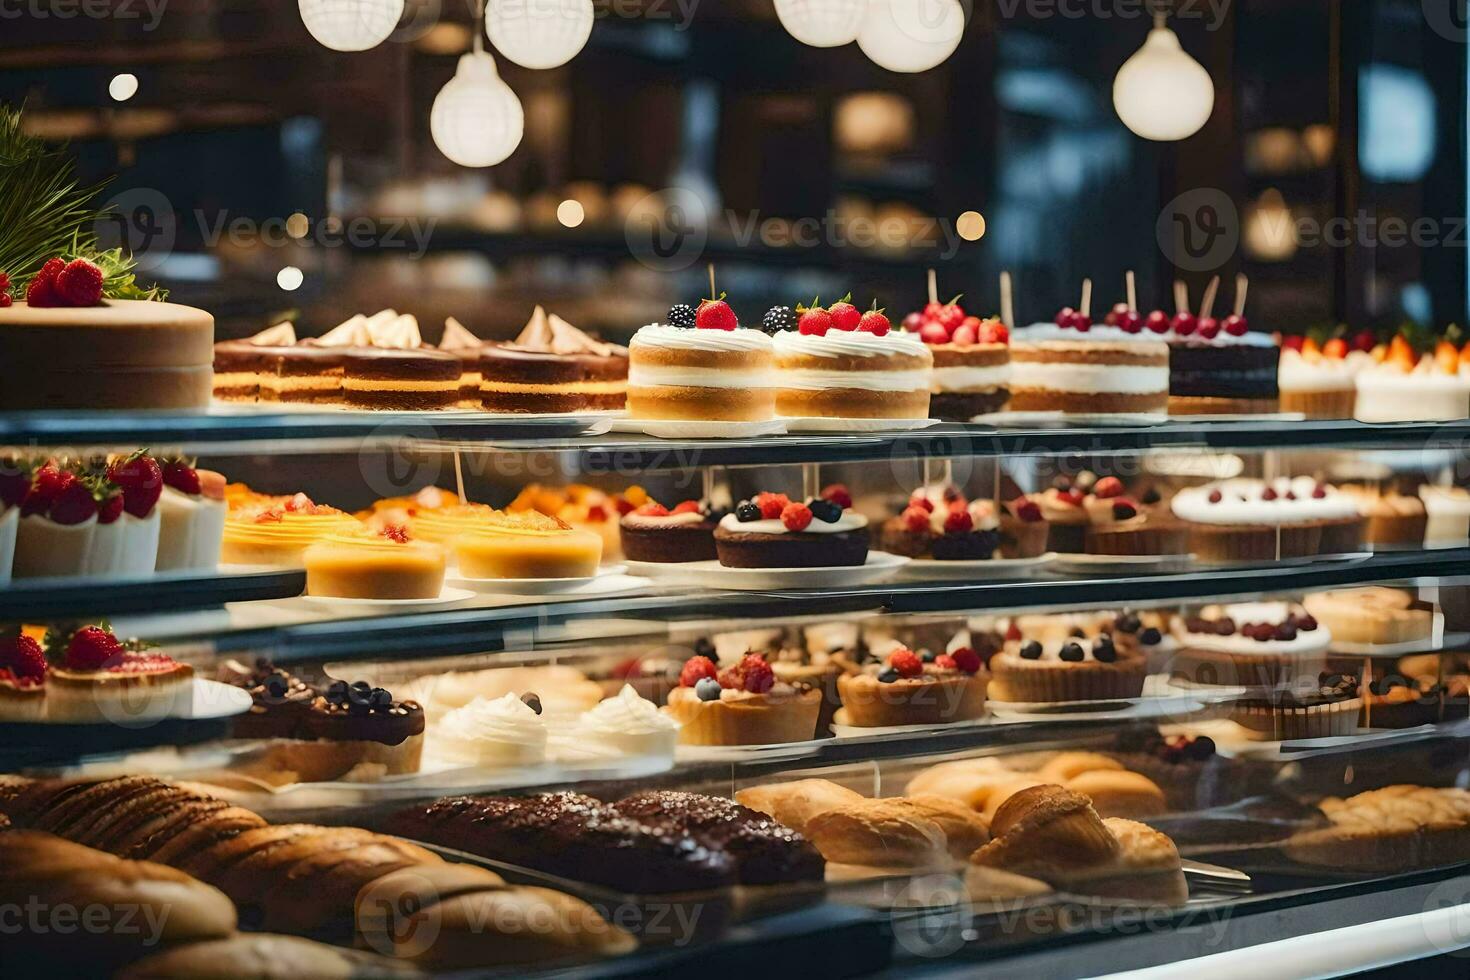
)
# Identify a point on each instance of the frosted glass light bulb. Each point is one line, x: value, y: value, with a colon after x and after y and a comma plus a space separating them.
x: 477, y: 121
x: 911, y: 35
x: 351, y: 25
x: 822, y: 23
x: 1161, y: 93
x: 539, y: 33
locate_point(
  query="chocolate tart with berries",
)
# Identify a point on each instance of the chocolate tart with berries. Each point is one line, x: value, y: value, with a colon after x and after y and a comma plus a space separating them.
x: 654, y: 533
x: 22, y: 679
x: 905, y: 690
x: 741, y: 705
x: 1176, y: 764
x: 1331, y: 709
x: 100, y: 679
x: 943, y: 527
x: 347, y: 731
x: 1066, y: 669
x: 770, y: 531
x: 1254, y: 645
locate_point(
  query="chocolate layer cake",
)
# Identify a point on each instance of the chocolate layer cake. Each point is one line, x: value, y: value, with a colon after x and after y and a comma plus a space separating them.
x: 240, y: 364
x: 513, y: 380
x: 1206, y: 378
x: 753, y: 549
x: 304, y: 373
x: 969, y: 380
x: 402, y: 380
x: 669, y: 538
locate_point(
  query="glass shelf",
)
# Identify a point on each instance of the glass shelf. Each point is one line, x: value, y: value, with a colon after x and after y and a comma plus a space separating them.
x: 45, y: 599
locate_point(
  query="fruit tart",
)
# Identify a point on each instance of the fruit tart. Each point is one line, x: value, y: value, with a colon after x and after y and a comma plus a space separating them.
x: 97, y: 678
x: 942, y: 525
x: 23, y: 671
x: 741, y: 705
x: 907, y: 689
x: 772, y: 531
x: 1073, y: 668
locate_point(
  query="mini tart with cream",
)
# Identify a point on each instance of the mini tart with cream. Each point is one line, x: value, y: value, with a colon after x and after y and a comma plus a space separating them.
x: 940, y: 524
x: 628, y: 724
x: 655, y: 533
x: 771, y: 531
x: 23, y: 670
x: 905, y: 689
x: 1255, y: 520
x: 1023, y: 529
x: 552, y: 366
x: 741, y: 705
x: 277, y: 535
x: 100, y: 679
x: 491, y: 734
x: 526, y: 545
x: 704, y: 367
x: 1072, y: 668
x: 841, y: 363
x: 367, y: 564
x: 1254, y: 644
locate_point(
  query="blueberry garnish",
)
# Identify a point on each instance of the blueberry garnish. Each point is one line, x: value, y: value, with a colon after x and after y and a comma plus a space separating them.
x: 1031, y: 650
x: 531, y: 701
x: 708, y: 689
x: 1150, y: 637
x: 1104, y: 651
x: 825, y: 511
x: 747, y: 512
x: 1073, y: 653
x: 888, y: 675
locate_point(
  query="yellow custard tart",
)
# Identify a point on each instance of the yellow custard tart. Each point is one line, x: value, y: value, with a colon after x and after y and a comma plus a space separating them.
x: 368, y: 564
x: 278, y: 535
x: 527, y: 545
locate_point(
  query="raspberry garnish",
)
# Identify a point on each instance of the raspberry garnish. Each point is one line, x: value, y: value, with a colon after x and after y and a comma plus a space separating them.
x: 838, y: 494
x: 771, y: 504
x: 696, y: 669
x: 1108, y: 486
x: 395, y: 532
x: 652, y: 509
x: 796, y: 517
x: 906, y: 662
x: 1027, y: 510
x: 966, y: 659
x: 756, y: 676
x: 916, y: 519
x: 959, y: 522
x: 182, y: 477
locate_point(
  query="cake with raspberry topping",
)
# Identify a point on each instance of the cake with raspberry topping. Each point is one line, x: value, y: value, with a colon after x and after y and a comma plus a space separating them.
x: 940, y: 524
x: 1252, y: 644
x: 97, y: 678
x: 842, y: 363
x: 1256, y: 520
x: 653, y: 532
x: 1070, y: 668
x: 772, y: 531
x: 972, y: 359
x: 1218, y: 366
x: 741, y: 705
x: 701, y: 366
x: 23, y: 672
x: 905, y: 688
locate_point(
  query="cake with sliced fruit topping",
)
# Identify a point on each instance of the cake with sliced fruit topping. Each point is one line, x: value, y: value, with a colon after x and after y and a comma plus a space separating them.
x: 972, y: 360
x: 653, y: 532
x: 1071, y: 668
x: 701, y: 366
x: 1321, y: 382
x: 1072, y: 367
x: 1255, y: 520
x: 772, y: 531
x: 941, y: 525
x: 839, y: 362
x: 97, y: 678
x: 905, y: 689
x: 23, y: 672
x: 1408, y: 387
x: 741, y: 705
x: 67, y: 347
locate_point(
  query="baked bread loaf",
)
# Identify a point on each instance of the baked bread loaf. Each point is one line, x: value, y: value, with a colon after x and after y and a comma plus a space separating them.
x: 1055, y: 835
x: 147, y: 905
x: 986, y: 783
x: 1069, y: 765
x: 879, y: 834
x: 262, y: 956
x: 1120, y: 793
x: 796, y: 802
x: 1389, y: 829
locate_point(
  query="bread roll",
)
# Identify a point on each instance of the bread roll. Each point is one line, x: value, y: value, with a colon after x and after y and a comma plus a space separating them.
x: 1068, y: 765
x: 879, y: 834
x: 263, y: 957
x: 1120, y: 793
x: 796, y: 802
x: 964, y: 829
x: 319, y: 890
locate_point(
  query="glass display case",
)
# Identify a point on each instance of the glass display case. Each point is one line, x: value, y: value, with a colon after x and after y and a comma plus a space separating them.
x: 1091, y: 699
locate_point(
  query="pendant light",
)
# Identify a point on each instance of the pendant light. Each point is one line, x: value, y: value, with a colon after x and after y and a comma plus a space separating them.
x: 539, y: 33
x: 351, y: 25
x: 822, y: 23
x: 1161, y: 93
x: 911, y: 35
x: 477, y: 121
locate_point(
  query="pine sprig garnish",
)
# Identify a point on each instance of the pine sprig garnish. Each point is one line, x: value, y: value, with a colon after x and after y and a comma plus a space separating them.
x: 46, y: 212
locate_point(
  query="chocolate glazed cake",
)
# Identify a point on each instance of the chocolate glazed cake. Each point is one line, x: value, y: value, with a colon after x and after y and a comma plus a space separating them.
x: 1207, y: 378
x: 553, y: 367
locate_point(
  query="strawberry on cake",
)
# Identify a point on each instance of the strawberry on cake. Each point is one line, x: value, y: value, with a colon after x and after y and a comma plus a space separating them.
x: 22, y: 679
x: 972, y: 360
x: 97, y: 679
x: 772, y: 531
x: 58, y: 520
x: 1071, y: 367
x: 192, y: 513
x: 653, y: 532
x: 843, y: 363
x: 701, y: 365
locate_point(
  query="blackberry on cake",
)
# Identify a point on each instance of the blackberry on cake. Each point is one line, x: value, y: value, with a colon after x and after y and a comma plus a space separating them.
x: 790, y: 534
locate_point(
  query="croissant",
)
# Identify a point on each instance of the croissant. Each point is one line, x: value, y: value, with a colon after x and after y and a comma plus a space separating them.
x: 879, y: 833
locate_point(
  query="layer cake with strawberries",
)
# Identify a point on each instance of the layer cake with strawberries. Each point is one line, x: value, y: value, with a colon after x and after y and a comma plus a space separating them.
x: 701, y: 366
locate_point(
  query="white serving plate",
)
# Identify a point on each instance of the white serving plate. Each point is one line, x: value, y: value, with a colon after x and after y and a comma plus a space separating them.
x: 448, y: 597
x: 749, y: 753
x: 1006, y: 712
x: 208, y: 701
x: 712, y: 575
x: 824, y: 424
x: 693, y: 429
x: 533, y: 586
x: 932, y: 570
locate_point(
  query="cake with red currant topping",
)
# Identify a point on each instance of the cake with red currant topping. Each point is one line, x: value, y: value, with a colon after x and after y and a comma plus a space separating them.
x: 1255, y: 520
x: 701, y: 366
x: 741, y: 705
x: 904, y: 689
x: 972, y: 360
x: 1070, y: 668
x: 940, y: 524
x: 96, y: 678
x: 839, y: 362
x: 22, y: 679
x: 1218, y: 366
x: 1251, y: 644
x: 66, y: 347
x: 653, y: 532
x: 1073, y: 367
x: 772, y: 531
